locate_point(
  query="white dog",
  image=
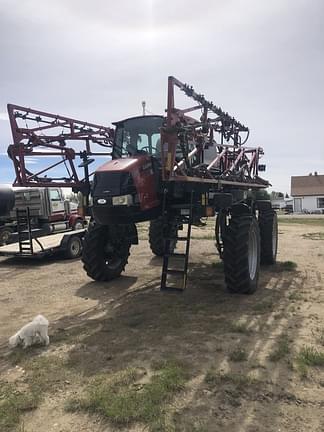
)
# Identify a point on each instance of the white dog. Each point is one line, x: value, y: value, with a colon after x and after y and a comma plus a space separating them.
x: 32, y: 333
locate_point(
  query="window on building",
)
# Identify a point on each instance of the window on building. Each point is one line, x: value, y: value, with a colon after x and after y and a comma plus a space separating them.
x: 320, y: 202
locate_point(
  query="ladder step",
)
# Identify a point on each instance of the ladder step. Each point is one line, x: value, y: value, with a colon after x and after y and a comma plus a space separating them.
x: 182, y: 238
x: 172, y: 289
x: 175, y: 254
x: 175, y: 272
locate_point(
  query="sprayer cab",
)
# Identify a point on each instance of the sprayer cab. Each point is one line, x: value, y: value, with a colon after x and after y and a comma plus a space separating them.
x: 127, y: 188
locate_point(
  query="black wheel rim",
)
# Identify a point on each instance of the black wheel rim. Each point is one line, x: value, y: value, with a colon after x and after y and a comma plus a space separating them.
x: 113, y: 254
x: 75, y: 248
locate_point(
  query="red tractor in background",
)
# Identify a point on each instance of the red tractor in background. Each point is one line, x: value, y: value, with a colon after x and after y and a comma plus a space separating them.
x: 171, y: 171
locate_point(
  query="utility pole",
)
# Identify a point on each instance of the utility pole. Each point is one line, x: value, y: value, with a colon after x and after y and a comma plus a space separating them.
x: 143, y: 105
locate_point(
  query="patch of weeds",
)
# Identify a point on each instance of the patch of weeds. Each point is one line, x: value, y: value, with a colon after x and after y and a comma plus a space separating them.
x: 238, y: 354
x: 302, y: 369
x: 47, y: 373
x: 295, y: 296
x: 264, y: 306
x: 314, y: 236
x: 239, y: 380
x: 308, y: 356
x: 199, y: 426
x: 218, y: 265
x: 239, y: 327
x: 320, y: 338
x: 288, y: 266
x: 281, y: 349
x: 13, y: 403
x: 42, y: 374
x: 120, y: 399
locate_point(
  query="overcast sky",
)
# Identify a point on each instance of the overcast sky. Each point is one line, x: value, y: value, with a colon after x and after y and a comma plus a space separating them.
x: 263, y: 61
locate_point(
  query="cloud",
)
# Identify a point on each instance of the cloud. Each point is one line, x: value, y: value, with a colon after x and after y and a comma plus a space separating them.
x: 261, y: 61
x: 3, y: 116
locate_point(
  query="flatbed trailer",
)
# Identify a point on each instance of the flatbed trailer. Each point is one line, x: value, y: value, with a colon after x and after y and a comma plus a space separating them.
x: 67, y: 242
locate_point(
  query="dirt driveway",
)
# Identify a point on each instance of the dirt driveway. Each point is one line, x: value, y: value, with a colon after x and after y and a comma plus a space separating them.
x: 244, y: 363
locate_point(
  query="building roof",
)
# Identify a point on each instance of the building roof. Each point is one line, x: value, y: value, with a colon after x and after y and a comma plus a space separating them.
x: 307, y: 185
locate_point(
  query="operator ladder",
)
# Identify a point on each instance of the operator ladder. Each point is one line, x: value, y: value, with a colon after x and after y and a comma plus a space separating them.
x: 25, y: 238
x: 181, y: 259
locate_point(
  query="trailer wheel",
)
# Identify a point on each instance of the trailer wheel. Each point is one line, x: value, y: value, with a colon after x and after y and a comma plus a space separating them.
x: 157, y: 234
x: 5, y: 234
x: 105, y: 252
x: 242, y: 254
x: 268, y: 225
x: 73, y: 248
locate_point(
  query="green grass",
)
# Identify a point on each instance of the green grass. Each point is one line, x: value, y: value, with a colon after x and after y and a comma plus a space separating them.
x: 281, y: 349
x: 238, y: 355
x: 308, y: 356
x: 218, y: 265
x: 320, y: 338
x: 13, y: 403
x: 295, y: 296
x: 288, y: 266
x: 264, y: 306
x: 239, y: 327
x: 42, y: 374
x: 239, y: 380
x: 47, y: 373
x: 119, y: 398
x: 301, y: 221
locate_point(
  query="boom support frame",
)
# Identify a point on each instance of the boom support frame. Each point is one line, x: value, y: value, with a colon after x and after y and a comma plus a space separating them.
x: 54, y: 136
x: 185, y: 139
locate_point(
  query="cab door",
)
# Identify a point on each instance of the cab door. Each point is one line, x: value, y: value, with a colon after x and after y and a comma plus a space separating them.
x: 56, y: 205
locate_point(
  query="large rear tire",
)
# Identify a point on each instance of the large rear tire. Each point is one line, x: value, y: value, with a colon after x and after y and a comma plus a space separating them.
x: 242, y: 254
x: 157, y: 233
x: 268, y: 225
x: 105, y: 251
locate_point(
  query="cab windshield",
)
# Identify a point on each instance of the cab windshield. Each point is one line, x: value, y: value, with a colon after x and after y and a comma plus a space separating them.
x: 138, y: 135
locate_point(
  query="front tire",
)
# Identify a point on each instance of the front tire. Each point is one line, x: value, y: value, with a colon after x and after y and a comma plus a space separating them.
x: 105, y: 251
x: 242, y: 254
x: 157, y: 233
x: 78, y: 225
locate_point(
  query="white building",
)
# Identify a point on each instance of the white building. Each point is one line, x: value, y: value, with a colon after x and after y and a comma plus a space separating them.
x: 308, y: 193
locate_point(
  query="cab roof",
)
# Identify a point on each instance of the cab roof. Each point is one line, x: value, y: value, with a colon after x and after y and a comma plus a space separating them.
x: 137, y: 117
